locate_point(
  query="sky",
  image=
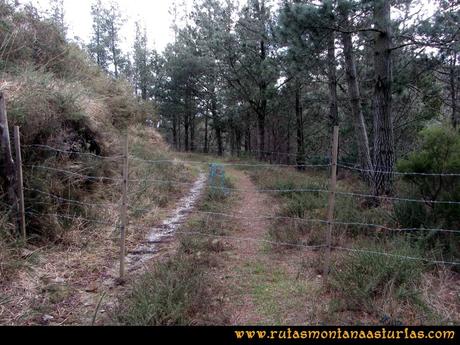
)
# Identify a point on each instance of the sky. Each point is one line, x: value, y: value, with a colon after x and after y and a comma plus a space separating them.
x: 154, y: 14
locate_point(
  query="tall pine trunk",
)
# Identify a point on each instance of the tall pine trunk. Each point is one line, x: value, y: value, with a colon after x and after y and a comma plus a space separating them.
x: 384, y: 153
x: 174, y: 132
x: 247, y: 134
x: 262, y: 110
x: 362, y: 139
x: 192, y: 131
x: 261, y: 130
x: 217, y: 125
x: 455, y: 118
x: 206, y: 145
x: 299, y: 125
x: 332, y: 78
x: 187, y: 119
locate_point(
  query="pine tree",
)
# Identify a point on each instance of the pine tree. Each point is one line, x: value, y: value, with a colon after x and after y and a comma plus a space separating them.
x: 141, y: 64
x: 57, y: 15
x: 99, y: 39
x: 113, y: 22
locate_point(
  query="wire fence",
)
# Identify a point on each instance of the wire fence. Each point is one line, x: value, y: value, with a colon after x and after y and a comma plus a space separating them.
x: 123, y: 160
x: 238, y: 190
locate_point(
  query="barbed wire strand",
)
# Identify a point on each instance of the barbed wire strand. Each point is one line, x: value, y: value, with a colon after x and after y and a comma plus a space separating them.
x: 456, y: 263
x: 70, y: 200
x: 89, y: 177
x: 340, y: 164
x: 321, y: 246
x: 71, y: 217
x: 50, y: 148
x: 258, y: 240
x: 308, y: 220
x: 232, y: 164
x: 296, y: 190
x: 397, y: 172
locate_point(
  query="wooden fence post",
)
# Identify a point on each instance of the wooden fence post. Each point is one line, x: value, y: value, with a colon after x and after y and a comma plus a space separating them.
x: 331, y: 203
x: 10, y: 176
x: 19, y: 183
x: 124, y: 210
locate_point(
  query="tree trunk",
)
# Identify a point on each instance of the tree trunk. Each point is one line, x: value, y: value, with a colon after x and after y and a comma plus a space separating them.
x: 232, y: 139
x: 220, y: 146
x: 206, y: 144
x: 359, y: 123
x: 217, y: 126
x: 247, y: 136
x: 238, y: 141
x: 261, y: 130
x: 186, y: 133
x: 299, y: 122
x: 453, y: 91
x: 144, y: 92
x: 179, y: 136
x: 332, y: 77
x: 174, y: 132
x: 187, y: 119
x: 288, y: 144
x: 192, y: 132
x: 262, y: 111
x: 384, y: 154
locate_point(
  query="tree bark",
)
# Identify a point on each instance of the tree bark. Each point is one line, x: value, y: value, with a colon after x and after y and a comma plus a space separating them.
x: 384, y: 153
x: 261, y: 130
x: 187, y: 119
x: 217, y: 126
x: 247, y: 135
x: 299, y: 122
x: 262, y: 111
x: 174, y: 132
x: 359, y: 123
x: 192, y: 132
x: 206, y: 144
x: 332, y: 77
x: 453, y: 91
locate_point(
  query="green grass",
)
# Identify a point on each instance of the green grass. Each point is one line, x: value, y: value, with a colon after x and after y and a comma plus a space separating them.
x: 169, y: 295
x: 279, y: 297
x: 370, y: 282
x: 175, y: 291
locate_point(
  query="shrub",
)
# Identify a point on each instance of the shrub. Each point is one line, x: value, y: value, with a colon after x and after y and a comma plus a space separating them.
x: 168, y: 295
x: 438, y: 153
x: 366, y: 278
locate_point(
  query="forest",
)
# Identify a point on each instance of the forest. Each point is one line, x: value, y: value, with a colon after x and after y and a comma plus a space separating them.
x: 273, y: 79
x: 302, y: 150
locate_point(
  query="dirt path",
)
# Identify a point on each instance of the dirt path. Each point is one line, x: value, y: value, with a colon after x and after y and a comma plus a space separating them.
x: 250, y: 204
x: 63, y: 286
x: 265, y: 286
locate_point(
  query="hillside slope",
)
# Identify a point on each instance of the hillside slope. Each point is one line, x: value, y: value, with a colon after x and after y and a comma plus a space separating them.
x: 73, y: 119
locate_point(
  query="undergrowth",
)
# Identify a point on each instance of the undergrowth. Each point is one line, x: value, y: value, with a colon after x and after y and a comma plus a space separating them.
x: 387, y: 287
x: 174, y: 291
